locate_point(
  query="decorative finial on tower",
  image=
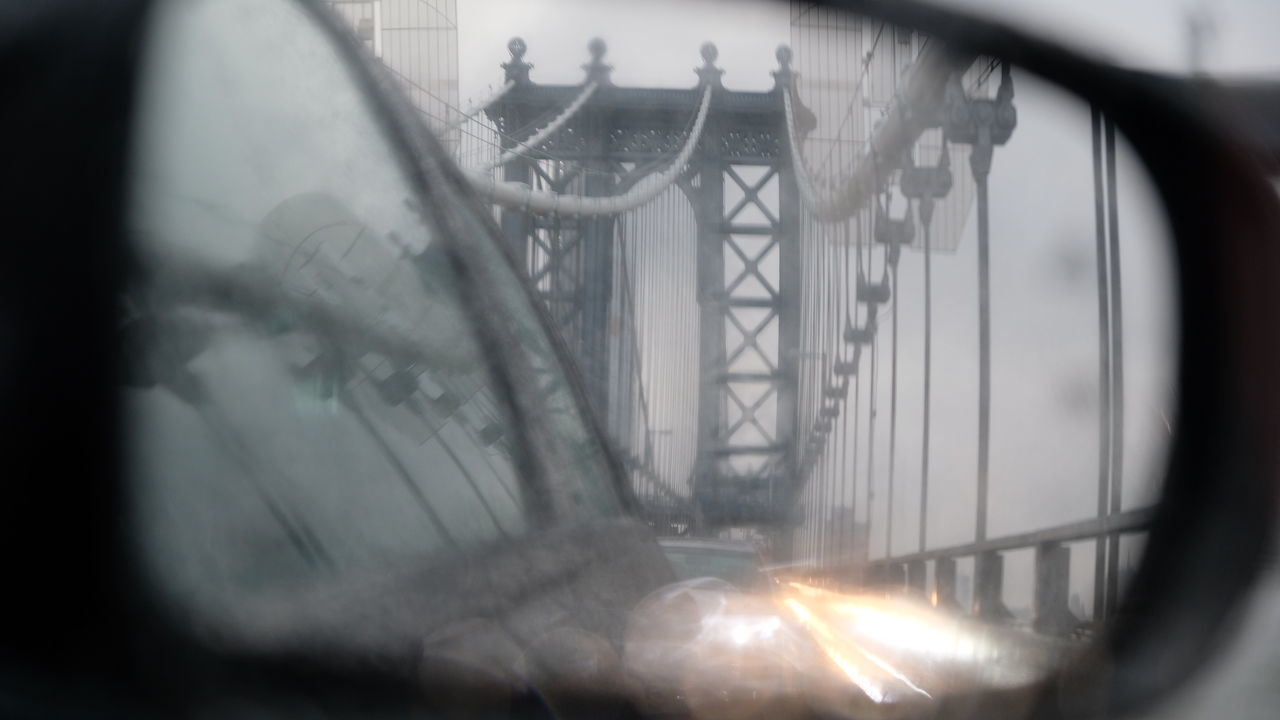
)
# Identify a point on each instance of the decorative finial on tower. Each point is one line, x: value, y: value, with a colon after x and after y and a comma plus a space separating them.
x: 709, y: 73
x: 597, y: 70
x: 709, y: 52
x: 782, y: 76
x: 517, y: 70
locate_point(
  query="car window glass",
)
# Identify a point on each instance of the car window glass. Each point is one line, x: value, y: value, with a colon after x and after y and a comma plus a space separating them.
x: 306, y: 391
x: 579, y: 470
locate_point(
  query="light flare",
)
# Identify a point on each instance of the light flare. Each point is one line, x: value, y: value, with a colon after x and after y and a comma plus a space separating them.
x: 842, y: 652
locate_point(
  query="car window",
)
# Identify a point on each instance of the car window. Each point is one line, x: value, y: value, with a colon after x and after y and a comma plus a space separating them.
x: 308, y: 391
x: 732, y: 566
x: 559, y: 428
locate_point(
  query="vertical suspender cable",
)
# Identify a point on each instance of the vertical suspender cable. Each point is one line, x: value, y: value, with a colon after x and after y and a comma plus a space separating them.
x: 620, y: 403
x: 869, y: 320
x: 802, y: 433
x: 815, y: 364
x: 672, y: 392
x: 1104, y: 370
x: 828, y: 352
x: 695, y: 338
x: 853, y: 269
x: 653, y: 368
x: 806, y: 432
x: 928, y: 377
x: 690, y: 304
x: 646, y: 365
x: 824, y: 284
x: 830, y: 333
x: 819, y: 384
x: 814, y: 321
x: 871, y: 402
x: 664, y: 377
x: 806, y: 400
x: 1117, y: 362
x: 845, y: 533
x: 892, y: 257
x: 893, y: 401
x: 650, y: 365
x: 815, y: 231
x: 680, y: 396
x: 654, y: 387
x: 984, y: 357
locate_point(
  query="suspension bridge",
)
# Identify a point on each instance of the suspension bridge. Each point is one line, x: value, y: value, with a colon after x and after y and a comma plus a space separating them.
x: 726, y: 279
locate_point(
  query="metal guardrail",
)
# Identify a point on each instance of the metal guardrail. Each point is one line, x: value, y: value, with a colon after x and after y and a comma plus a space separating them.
x: 1126, y: 522
x: 1052, y: 614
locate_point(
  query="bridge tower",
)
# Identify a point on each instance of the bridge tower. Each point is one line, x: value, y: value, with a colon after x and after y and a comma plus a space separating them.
x: 743, y: 194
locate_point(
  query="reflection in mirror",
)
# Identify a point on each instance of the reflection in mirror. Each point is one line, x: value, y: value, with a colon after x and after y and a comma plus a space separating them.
x: 898, y: 318
x: 881, y: 333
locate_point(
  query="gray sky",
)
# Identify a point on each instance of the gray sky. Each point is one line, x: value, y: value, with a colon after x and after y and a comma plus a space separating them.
x: 1151, y: 33
x: 656, y: 41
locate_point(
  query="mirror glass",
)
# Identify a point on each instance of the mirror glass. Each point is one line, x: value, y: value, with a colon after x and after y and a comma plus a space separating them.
x: 880, y: 337
x: 899, y: 321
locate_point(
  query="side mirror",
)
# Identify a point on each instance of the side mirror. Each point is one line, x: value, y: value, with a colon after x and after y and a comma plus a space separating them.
x: 1028, y: 471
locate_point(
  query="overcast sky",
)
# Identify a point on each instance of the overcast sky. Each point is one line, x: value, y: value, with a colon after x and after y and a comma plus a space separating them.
x: 656, y: 41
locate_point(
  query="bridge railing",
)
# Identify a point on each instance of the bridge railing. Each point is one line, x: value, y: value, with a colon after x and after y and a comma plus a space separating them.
x: 1052, y: 569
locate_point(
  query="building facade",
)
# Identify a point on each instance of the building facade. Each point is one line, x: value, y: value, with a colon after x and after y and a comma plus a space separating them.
x: 417, y: 40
